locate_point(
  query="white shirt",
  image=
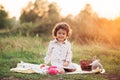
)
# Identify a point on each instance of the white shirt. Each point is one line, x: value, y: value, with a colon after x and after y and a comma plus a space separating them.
x: 58, y: 53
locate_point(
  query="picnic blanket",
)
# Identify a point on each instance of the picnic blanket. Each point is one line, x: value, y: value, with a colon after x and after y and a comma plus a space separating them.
x: 24, y: 67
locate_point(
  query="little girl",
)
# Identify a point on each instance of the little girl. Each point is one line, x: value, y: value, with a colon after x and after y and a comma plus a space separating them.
x: 59, y: 50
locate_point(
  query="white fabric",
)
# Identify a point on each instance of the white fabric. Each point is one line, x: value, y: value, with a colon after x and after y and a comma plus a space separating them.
x: 29, y: 68
x: 58, y: 52
x: 96, y: 63
x: 23, y: 67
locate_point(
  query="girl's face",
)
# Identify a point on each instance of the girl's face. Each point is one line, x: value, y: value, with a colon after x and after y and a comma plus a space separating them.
x: 61, y: 35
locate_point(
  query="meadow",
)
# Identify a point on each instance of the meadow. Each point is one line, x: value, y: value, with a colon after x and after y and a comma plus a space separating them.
x: 13, y: 49
x: 26, y: 39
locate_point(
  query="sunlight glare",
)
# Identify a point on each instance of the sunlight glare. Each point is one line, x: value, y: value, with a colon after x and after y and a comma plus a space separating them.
x: 13, y: 7
x: 104, y: 8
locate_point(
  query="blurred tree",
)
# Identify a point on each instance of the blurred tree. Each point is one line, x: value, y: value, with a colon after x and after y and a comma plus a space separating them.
x: 49, y: 20
x: 87, y: 27
x: 3, y: 18
x: 41, y: 12
x: 53, y: 13
x: 34, y: 11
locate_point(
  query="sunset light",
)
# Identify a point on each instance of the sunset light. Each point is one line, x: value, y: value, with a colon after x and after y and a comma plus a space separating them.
x: 104, y: 8
x: 60, y: 39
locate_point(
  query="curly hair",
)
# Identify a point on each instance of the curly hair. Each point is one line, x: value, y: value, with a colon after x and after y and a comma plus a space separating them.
x: 64, y: 26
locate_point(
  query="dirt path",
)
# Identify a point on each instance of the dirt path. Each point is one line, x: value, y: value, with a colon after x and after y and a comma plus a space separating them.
x: 110, y: 76
x: 107, y: 76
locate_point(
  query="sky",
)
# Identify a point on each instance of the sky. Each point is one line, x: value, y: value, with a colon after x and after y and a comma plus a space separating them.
x: 109, y: 9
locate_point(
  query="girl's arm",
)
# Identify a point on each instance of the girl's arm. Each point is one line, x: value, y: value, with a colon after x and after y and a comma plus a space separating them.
x: 68, y: 57
x: 48, y: 54
x: 69, y: 54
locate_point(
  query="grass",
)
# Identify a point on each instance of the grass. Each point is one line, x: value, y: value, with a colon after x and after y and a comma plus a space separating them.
x: 13, y: 49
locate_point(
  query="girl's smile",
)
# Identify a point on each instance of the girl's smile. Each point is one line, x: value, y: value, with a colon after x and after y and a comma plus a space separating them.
x: 61, y: 35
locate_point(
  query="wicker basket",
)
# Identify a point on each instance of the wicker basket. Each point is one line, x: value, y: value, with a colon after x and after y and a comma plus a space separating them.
x: 85, y: 65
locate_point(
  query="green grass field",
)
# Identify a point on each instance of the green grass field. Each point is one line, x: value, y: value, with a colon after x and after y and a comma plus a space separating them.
x: 32, y: 49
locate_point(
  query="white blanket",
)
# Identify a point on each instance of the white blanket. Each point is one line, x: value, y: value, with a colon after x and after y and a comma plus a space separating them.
x: 29, y: 68
x: 23, y: 67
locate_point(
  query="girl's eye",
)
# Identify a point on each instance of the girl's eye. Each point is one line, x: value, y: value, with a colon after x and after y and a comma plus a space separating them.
x: 63, y: 33
x: 59, y: 33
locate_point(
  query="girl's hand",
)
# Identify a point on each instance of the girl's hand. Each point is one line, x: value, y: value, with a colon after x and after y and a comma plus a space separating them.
x: 65, y: 63
x: 42, y: 65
